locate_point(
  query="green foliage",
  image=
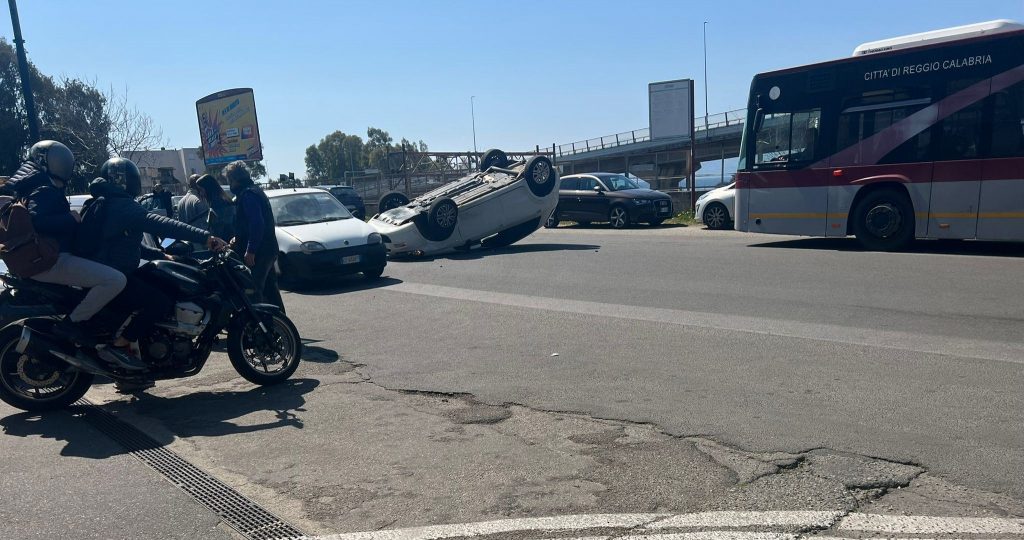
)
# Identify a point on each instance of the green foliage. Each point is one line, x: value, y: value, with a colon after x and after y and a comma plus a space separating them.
x: 333, y: 156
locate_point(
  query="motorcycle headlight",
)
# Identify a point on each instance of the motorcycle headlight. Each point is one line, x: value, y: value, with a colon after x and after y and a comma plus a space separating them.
x: 311, y: 247
x: 374, y: 238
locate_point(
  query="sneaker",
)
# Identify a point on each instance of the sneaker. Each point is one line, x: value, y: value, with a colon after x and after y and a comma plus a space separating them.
x: 121, y: 356
x: 126, y: 387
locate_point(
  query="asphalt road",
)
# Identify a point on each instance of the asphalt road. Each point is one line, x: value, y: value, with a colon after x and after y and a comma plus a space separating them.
x: 765, y: 343
x: 589, y: 371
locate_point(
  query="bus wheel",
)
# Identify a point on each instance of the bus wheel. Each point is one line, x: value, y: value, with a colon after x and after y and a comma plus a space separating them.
x: 884, y: 220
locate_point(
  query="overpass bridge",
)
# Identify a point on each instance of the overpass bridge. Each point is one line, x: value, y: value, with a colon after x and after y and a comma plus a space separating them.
x: 662, y: 161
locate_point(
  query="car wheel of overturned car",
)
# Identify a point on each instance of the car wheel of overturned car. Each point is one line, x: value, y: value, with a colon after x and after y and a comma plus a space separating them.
x: 618, y: 217
x: 716, y: 216
x: 540, y: 175
x: 391, y: 200
x: 442, y: 216
x: 493, y: 158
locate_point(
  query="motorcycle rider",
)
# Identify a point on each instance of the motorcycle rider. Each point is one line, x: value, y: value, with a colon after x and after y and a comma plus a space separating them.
x: 123, y: 222
x: 41, y: 181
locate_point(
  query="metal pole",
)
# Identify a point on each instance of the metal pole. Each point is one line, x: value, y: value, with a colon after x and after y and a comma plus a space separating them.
x: 472, y: 111
x: 26, y: 81
x: 693, y: 159
x: 705, y: 75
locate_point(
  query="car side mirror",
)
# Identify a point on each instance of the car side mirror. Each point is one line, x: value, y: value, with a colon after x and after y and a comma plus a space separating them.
x: 598, y: 189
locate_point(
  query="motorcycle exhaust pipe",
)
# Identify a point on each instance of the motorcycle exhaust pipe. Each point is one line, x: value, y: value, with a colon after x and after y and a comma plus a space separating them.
x: 38, y: 344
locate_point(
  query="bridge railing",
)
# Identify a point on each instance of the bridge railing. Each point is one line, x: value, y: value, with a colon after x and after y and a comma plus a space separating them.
x: 700, y: 123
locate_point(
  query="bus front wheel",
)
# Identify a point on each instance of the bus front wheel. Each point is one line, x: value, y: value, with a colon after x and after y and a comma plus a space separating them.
x: 884, y: 220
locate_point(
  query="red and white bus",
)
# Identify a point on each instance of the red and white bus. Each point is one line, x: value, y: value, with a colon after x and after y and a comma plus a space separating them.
x: 913, y: 137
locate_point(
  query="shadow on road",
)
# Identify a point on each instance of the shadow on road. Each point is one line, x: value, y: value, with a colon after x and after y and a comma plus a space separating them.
x: 606, y: 227
x: 481, y: 252
x: 319, y: 355
x: 354, y: 283
x: 207, y: 414
x: 941, y: 247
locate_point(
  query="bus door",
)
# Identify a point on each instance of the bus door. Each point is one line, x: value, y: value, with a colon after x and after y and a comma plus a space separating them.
x: 957, y: 172
x: 784, y: 194
x: 1001, y: 210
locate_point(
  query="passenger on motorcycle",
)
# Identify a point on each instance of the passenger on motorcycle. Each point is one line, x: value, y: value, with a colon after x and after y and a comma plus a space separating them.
x: 41, y: 181
x: 120, y: 222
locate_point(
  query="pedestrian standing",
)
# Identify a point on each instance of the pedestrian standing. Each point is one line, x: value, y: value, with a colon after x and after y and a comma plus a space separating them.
x: 255, y: 238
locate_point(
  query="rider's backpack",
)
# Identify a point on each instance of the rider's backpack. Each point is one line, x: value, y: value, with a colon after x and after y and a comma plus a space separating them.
x: 22, y: 249
x: 89, y: 237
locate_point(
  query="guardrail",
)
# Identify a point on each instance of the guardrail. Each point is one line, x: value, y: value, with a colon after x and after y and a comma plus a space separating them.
x: 700, y: 123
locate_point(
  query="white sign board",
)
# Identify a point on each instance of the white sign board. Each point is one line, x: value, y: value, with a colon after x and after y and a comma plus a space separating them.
x: 671, y: 108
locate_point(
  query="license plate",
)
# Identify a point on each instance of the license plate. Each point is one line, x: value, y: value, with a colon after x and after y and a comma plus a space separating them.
x: 351, y: 259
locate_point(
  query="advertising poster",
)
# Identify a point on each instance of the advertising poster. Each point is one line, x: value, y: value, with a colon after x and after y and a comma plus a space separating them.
x: 228, y: 128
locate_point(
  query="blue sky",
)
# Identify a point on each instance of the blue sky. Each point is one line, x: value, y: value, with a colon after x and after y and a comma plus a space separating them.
x: 543, y: 71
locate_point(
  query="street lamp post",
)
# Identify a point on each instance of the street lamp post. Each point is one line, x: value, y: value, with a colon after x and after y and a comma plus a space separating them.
x: 26, y: 81
x: 705, y: 77
x: 472, y: 111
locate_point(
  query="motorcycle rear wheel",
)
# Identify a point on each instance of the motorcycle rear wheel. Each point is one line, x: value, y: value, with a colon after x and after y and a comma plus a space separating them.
x: 258, y: 360
x: 34, y: 384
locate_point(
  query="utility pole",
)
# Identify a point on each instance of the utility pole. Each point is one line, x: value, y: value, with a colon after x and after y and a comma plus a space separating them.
x: 26, y: 81
x: 706, y: 78
x: 472, y: 111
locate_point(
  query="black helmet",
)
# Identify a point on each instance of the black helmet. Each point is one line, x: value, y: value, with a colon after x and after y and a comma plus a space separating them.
x: 123, y: 173
x: 53, y: 158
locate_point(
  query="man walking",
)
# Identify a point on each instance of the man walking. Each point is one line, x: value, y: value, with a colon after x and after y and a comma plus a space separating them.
x: 255, y: 238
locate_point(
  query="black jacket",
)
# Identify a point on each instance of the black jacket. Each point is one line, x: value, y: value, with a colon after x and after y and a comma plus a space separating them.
x: 124, y: 223
x: 254, y: 219
x: 51, y: 213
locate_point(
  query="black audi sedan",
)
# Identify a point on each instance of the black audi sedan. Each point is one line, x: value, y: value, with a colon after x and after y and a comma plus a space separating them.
x: 609, y: 197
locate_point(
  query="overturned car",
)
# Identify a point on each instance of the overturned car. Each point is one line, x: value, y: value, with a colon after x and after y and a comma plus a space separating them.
x: 501, y: 204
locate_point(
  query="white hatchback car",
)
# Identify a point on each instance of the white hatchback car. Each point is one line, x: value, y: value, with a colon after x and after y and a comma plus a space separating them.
x: 502, y: 204
x: 717, y: 208
x: 319, y: 238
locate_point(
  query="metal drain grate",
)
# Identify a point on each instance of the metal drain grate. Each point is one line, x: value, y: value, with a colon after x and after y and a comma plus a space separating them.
x: 242, y: 514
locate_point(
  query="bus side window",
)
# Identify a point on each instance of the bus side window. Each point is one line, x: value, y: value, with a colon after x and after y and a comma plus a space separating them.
x: 960, y: 134
x: 1008, y: 122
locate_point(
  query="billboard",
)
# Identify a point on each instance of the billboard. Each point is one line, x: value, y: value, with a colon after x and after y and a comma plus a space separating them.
x: 671, y: 108
x: 228, y: 128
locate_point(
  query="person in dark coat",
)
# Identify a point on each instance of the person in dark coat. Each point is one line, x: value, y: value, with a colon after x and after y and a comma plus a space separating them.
x: 123, y: 223
x: 40, y: 181
x: 222, y: 220
x: 255, y: 235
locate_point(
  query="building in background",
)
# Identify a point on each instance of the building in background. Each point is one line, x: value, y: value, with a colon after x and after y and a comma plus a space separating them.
x: 171, y: 167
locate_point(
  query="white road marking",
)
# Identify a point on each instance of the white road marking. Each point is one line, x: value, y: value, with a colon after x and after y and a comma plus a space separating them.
x: 716, y: 535
x: 555, y: 523
x: 930, y: 524
x: 923, y: 343
x: 747, y: 519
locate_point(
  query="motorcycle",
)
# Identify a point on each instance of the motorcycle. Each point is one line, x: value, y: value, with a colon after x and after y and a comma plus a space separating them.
x: 40, y: 371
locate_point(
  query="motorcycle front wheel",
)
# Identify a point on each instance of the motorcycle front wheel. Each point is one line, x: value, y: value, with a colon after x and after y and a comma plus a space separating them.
x: 264, y: 357
x: 37, y: 384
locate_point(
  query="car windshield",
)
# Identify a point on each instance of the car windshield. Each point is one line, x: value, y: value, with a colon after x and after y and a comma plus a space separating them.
x: 304, y: 208
x: 618, y: 182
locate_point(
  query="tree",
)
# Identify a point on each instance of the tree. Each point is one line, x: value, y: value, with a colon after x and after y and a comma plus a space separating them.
x: 131, y: 130
x: 378, y: 145
x: 334, y: 155
x: 73, y: 112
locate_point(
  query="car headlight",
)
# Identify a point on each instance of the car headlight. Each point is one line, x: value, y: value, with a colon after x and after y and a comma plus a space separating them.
x: 374, y: 238
x: 311, y: 247
x: 641, y: 202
